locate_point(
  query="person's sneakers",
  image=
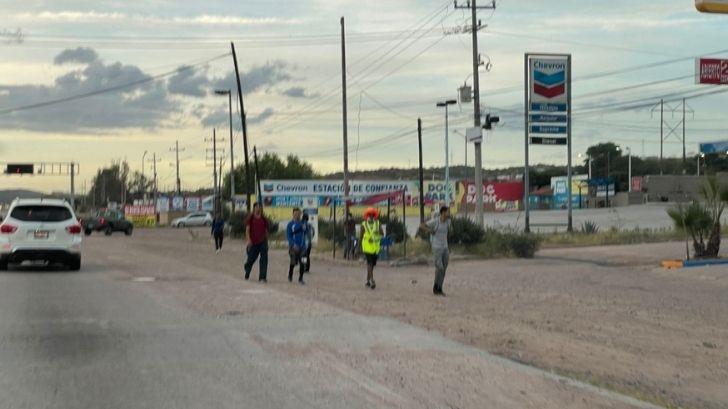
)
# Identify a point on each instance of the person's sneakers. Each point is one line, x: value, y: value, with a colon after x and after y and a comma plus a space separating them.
x: 374, y: 285
x: 369, y: 284
x: 247, y: 276
x: 217, y: 251
x: 290, y: 278
x: 262, y: 280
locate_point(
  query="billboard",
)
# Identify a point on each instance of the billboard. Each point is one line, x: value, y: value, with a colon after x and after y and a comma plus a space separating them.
x: 713, y: 71
x: 548, y: 82
x: 332, y: 187
x: 140, y: 215
x: 579, y: 191
x: 192, y: 204
x: 714, y: 147
x: 178, y: 203
x: 503, y: 196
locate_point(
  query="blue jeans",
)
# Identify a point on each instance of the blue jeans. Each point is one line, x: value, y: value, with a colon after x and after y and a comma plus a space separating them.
x: 254, y: 251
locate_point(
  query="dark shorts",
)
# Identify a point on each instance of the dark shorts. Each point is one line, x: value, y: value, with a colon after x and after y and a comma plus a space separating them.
x: 371, y: 259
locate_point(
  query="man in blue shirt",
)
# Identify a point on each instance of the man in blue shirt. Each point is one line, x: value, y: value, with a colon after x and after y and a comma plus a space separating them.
x: 217, y: 231
x: 295, y: 235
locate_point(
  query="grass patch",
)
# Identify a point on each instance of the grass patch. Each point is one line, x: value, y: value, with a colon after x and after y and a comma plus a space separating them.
x: 609, y: 237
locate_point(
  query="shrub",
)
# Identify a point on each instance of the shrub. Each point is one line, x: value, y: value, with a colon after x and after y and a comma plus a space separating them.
x: 326, y: 230
x: 589, y: 227
x: 464, y: 231
x: 506, y: 244
x: 522, y: 245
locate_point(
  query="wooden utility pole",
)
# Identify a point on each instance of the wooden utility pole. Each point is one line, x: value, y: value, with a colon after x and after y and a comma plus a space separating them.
x: 245, y: 129
x: 422, y: 174
x: 344, y: 119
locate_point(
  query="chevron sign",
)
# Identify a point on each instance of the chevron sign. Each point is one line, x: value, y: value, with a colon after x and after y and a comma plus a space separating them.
x: 548, y: 80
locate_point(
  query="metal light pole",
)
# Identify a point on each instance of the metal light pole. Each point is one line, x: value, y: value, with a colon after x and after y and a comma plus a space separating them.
x: 445, y: 104
x: 232, y: 164
x: 629, y: 168
x: 701, y: 155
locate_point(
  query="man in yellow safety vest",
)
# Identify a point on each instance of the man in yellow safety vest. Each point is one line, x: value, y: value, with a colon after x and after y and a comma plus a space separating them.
x: 371, y: 236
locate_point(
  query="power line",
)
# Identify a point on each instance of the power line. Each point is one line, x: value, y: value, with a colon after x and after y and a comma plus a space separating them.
x: 115, y: 88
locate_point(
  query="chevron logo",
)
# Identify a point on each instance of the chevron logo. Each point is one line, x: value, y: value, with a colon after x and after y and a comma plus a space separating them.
x: 549, y: 85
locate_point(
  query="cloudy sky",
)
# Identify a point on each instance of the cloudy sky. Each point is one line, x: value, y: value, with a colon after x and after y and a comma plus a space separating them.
x: 129, y: 77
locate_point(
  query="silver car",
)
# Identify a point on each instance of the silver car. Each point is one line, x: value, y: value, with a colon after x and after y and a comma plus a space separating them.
x: 193, y: 219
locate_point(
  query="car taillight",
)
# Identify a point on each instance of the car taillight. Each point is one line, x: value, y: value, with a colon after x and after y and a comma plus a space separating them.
x: 8, y: 229
x: 75, y: 229
x: 101, y: 220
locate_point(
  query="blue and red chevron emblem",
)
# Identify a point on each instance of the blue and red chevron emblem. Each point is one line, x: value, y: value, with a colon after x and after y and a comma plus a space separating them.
x: 549, y: 85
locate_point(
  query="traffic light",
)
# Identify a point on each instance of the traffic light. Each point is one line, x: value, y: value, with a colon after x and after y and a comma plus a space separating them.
x: 19, y: 168
x: 490, y: 120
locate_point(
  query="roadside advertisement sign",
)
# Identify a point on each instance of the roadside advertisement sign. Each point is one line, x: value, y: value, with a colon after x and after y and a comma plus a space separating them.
x: 636, y: 184
x: 713, y: 71
x: 714, y: 147
x: 178, y: 203
x: 163, y: 204
x: 140, y: 215
x: 331, y: 187
x: 192, y: 204
x: 549, y: 79
x: 579, y: 191
x: 503, y: 196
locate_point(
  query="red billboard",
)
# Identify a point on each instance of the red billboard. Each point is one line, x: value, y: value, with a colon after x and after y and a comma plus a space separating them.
x: 493, y: 192
x: 711, y: 71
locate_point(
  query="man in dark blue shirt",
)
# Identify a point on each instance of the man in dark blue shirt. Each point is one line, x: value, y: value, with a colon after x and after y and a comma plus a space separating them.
x: 217, y: 231
x: 295, y: 235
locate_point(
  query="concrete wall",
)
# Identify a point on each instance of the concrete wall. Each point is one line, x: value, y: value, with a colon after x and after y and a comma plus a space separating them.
x: 676, y: 188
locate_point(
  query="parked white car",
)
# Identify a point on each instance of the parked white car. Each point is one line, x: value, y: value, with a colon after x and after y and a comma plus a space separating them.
x: 40, y: 230
x: 193, y: 219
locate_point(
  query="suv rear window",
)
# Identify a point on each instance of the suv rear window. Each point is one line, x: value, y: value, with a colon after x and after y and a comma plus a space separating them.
x: 41, y: 213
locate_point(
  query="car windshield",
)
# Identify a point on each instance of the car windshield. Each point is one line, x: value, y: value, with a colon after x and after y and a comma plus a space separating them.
x: 41, y: 213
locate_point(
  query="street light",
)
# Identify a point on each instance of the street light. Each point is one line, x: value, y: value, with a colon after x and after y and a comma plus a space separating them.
x: 445, y: 104
x: 702, y: 155
x: 232, y: 163
x: 589, y: 159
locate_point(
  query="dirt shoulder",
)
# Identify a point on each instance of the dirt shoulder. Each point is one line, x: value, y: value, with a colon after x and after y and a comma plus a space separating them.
x: 606, y: 315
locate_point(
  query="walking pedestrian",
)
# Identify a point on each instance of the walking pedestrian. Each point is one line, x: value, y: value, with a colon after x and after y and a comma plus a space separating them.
x: 371, y: 236
x: 438, y: 228
x: 308, y: 233
x: 256, y: 235
x: 295, y: 236
x: 218, y: 231
x: 350, y: 231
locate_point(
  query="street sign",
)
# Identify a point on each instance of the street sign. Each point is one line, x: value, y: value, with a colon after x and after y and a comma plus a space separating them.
x: 19, y: 168
x: 712, y: 71
x: 474, y: 134
x: 712, y: 6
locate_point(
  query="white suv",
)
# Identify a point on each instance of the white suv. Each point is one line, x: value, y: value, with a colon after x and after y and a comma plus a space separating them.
x: 40, y: 229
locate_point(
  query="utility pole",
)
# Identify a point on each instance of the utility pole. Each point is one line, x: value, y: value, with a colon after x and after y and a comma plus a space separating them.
x: 154, y: 186
x: 343, y: 114
x: 176, y: 150
x: 245, y: 129
x: 421, y: 172
x: 662, y: 139
x: 685, y: 160
x: 257, y: 177
x: 472, y: 5
x: 214, y: 171
x: 73, y: 187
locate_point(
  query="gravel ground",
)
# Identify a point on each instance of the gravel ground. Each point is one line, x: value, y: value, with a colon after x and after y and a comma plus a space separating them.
x: 608, y: 316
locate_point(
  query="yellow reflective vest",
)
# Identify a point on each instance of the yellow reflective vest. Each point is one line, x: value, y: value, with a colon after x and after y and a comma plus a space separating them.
x: 371, y: 242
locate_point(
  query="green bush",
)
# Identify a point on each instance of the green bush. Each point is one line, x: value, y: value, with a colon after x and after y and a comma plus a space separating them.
x: 522, y: 245
x: 496, y: 243
x: 326, y: 230
x: 464, y: 231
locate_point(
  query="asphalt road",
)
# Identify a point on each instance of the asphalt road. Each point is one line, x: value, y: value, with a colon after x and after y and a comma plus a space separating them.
x: 107, y: 337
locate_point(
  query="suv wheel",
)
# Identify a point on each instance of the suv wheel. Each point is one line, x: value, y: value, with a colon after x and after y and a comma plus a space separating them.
x: 3, y: 265
x: 75, y: 264
x: 128, y: 231
x: 88, y: 232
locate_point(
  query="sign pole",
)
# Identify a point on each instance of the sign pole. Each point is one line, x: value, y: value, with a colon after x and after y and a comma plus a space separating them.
x: 526, y: 181
x: 570, y: 226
